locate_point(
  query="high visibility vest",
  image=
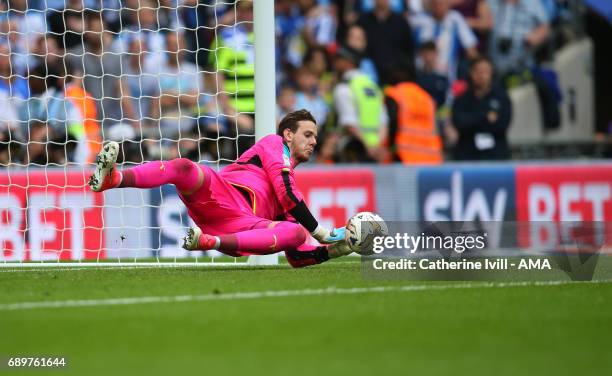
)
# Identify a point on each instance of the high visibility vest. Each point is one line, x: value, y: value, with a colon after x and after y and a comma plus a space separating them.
x: 239, y: 74
x: 85, y: 104
x: 417, y: 139
x: 369, y: 102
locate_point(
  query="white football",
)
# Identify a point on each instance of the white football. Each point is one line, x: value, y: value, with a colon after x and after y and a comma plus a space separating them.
x: 361, y: 230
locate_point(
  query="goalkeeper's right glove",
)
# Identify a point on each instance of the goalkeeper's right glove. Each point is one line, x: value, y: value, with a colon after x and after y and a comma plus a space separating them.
x: 324, y: 236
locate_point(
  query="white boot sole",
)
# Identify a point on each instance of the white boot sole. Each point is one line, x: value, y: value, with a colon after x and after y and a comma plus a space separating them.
x: 105, y: 162
x: 191, y: 241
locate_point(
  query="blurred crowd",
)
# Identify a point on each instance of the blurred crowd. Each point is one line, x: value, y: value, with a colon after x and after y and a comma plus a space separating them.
x: 416, y: 81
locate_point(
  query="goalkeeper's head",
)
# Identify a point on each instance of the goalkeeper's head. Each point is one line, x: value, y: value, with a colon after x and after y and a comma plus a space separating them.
x: 299, y: 131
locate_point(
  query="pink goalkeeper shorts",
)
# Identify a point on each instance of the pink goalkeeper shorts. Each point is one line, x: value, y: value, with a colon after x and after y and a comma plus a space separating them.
x: 219, y: 208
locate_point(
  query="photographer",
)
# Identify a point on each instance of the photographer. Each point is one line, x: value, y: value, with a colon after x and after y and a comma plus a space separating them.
x: 520, y: 27
x: 521, y: 31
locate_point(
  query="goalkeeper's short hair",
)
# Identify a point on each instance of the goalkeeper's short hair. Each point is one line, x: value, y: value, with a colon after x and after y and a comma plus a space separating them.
x: 290, y: 121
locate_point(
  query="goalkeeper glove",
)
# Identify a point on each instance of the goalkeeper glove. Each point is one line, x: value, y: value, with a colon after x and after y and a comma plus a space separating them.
x: 324, y: 236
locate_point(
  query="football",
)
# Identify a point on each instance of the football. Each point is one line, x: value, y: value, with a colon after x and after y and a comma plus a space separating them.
x: 361, y: 230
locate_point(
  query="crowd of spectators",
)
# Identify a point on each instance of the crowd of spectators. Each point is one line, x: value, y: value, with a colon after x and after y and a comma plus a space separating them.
x: 402, y: 84
x: 386, y: 80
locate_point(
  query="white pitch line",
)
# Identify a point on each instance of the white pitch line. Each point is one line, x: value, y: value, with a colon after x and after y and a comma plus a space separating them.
x: 28, y: 269
x: 43, y: 270
x: 276, y: 294
x: 125, y: 267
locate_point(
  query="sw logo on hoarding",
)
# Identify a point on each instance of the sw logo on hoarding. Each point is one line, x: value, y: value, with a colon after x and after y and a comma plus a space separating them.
x: 466, y: 194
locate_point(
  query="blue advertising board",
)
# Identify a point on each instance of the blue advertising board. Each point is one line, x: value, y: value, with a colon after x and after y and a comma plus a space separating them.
x: 169, y: 222
x: 466, y: 193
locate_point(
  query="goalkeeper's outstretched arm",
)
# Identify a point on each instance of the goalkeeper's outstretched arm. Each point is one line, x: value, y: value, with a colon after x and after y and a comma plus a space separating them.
x: 302, y: 214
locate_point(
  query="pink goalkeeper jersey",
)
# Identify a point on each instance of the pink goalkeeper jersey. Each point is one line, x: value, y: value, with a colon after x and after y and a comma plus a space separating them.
x: 266, y: 171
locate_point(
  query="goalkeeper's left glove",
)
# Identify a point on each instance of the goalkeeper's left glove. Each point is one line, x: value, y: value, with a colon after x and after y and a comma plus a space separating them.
x: 324, y: 236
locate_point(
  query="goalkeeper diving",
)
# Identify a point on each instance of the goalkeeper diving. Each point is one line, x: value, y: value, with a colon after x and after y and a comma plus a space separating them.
x: 251, y: 207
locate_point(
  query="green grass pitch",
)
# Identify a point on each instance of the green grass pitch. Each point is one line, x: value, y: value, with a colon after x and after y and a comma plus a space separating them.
x: 513, y: 330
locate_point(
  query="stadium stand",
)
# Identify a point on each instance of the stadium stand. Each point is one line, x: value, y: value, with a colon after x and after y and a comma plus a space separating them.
x: 124, y: 56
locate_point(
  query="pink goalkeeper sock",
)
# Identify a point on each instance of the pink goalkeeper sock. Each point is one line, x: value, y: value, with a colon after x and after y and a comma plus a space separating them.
x: 181, y: 172
x: 285, y: 235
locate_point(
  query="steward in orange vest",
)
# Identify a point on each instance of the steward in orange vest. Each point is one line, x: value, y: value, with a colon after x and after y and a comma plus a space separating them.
x: 413, y: 135
x: 82, y: 100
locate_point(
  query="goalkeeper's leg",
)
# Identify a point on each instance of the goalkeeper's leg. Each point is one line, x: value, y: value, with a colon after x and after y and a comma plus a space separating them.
x: 186, y: 175
x: 266, y: 237
x: 274, y: 237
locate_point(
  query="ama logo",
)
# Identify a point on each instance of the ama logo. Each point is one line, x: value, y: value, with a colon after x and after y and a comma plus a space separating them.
x: 466, y: 194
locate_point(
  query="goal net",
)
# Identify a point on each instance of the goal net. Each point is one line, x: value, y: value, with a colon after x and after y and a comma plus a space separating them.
x: 164, y: 78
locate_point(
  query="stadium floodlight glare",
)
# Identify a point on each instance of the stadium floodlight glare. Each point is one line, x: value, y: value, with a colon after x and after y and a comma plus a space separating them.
x: 48, y: 215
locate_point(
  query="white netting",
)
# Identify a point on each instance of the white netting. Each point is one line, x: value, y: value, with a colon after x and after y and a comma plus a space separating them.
x: 164, y: 78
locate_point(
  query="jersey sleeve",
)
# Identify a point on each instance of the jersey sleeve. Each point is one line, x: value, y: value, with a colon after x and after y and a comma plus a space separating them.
x: 276, y: 161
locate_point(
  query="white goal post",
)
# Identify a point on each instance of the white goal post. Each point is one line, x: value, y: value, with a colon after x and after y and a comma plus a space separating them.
x: 265, y: 87
x: 48, y: 220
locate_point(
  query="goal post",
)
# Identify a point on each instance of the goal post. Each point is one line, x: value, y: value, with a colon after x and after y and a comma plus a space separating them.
x: 48, y: 215
x: 265, y: 85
